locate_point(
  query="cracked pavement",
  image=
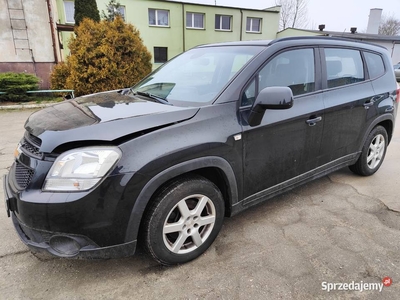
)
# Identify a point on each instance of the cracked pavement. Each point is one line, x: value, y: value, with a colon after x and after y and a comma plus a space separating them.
x: 340, y: 228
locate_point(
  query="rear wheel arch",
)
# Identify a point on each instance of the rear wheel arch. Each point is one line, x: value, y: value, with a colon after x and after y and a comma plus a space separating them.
x: 215, y: 169
x: 388, y: 125
x: 386, y: 121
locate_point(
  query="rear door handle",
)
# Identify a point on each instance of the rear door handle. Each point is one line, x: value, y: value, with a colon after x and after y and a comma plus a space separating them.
x: 368, y: 104
x: 312, y: 122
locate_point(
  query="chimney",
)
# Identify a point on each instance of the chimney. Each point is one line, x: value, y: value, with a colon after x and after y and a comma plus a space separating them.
x: 321, y: 27
x: 353, y: 30
x: 374, y: 20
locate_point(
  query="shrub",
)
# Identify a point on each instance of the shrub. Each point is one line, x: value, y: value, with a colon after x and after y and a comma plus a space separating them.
x: 105, y: 55
x: 16, y: 84
x: 59, y: 77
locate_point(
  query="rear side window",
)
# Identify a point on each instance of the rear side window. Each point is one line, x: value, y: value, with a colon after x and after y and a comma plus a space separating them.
x: 375, y: 65
x: 343, y: 67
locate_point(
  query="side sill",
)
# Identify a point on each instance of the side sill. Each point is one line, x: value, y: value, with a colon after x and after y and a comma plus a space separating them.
x: 294, y: 182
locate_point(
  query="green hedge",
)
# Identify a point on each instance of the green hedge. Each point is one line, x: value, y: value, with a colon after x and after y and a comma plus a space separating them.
x: 15, y: 86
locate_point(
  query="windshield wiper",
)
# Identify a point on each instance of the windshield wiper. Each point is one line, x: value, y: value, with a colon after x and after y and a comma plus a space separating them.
x: 152, y: 96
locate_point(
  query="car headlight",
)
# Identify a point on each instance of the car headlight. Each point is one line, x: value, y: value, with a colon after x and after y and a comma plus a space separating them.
x: 81, y: 169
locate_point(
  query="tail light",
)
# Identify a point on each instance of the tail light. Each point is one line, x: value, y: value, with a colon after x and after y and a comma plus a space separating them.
x: 398, y: 93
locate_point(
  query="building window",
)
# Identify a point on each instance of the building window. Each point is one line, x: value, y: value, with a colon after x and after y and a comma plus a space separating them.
x: 69, y: 9
x: 158, y: 17
x: 113, y: 11
x: 121, y: 11
x: 160, y: 55
x: 223, y: 22
x: 253, y: 25
x: 194, y: 20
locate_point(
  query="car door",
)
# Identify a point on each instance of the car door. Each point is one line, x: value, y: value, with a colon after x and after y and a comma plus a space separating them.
x: 287, y: 142
x: 348, y: 100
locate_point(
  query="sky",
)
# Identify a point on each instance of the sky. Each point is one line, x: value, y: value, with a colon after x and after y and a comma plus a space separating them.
x: 337, y: 15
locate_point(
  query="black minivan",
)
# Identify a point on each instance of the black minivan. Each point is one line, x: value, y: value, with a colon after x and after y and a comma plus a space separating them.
x: 214, y: 131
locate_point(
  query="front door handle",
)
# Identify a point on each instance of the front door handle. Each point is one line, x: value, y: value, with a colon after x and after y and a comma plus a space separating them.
x: 313, y: 121
x: 369, y: 103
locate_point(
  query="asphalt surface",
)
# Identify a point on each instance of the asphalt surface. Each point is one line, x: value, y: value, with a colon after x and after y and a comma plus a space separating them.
x: 339, y: 229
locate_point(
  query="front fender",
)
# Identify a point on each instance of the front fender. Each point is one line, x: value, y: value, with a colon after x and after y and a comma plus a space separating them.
x: 154, y: 183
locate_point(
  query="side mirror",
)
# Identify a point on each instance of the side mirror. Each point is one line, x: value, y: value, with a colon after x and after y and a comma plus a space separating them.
x: 276, y: 97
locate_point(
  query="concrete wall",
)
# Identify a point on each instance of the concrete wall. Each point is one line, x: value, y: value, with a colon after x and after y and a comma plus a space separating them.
x: 29, y: 49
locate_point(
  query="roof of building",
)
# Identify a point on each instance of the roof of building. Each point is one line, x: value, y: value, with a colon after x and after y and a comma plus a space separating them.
x: 273, y: 9
x: 356, y: 35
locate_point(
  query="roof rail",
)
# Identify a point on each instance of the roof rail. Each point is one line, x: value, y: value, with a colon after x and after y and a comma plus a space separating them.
x: 322, y: 37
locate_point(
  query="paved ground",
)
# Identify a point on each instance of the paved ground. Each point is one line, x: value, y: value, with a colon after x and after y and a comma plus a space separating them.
x: 336, y: 229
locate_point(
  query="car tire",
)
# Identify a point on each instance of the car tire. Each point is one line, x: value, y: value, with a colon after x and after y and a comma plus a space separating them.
x: 372, y: 154
x: 183, y: 220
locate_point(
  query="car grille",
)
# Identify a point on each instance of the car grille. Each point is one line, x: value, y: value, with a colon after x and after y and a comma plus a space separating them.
x: 31, y: 144
x: 23, y: 175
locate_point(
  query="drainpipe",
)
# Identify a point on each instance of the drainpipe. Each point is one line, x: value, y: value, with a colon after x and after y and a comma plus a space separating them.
x: 183, y: 28
x: 52, y: 31
x: 241, y: 25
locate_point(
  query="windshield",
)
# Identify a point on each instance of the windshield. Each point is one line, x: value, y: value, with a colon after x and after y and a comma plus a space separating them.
x: 197, y: 76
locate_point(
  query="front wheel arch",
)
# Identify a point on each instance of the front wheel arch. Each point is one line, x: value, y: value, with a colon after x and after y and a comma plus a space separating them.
x: 196, y: 166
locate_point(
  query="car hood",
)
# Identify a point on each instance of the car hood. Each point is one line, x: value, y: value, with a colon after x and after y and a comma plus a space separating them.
x: 101, y: 117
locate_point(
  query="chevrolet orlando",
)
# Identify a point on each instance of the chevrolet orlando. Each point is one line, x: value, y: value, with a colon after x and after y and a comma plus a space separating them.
x: 216, y: 130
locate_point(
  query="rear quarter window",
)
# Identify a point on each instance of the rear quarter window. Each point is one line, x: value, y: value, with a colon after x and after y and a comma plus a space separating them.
x: 375, y: 65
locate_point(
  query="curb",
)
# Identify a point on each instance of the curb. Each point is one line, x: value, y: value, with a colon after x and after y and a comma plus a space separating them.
x: 26, y: 106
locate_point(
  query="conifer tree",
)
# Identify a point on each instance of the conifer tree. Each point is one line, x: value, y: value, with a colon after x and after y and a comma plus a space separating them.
x: 86, y: 9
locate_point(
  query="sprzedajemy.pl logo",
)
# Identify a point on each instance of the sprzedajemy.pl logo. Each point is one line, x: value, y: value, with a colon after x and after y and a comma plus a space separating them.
x: 356, y: 286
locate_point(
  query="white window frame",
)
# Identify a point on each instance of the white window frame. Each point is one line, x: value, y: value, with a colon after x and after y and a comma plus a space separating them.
x: 220, y: 23
x: 156, y: 17
x: 69, y: 21
x: 192, y: 14
x: 251, y: 24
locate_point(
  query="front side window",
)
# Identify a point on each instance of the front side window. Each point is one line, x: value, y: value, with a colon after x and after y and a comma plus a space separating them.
x: 343, y: 67
x: 69, y: 8
x: 294, y: 69
x: 194, y: 20
x: 197, y: 76
x: 375, y: 65
x: 158, y: 17
x: 253, y: 25
x: 223, y: 22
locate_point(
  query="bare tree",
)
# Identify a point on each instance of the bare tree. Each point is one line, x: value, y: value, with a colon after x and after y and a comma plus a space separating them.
x: 293, y: 13
x: 389, y: 25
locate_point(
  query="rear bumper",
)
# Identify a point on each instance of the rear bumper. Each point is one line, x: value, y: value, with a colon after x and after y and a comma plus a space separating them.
x: 67, y: 245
